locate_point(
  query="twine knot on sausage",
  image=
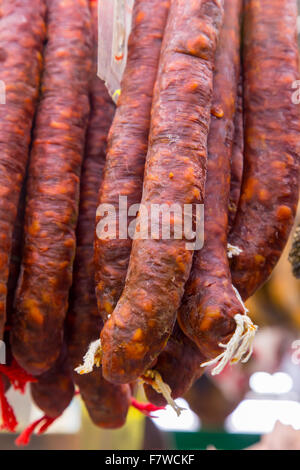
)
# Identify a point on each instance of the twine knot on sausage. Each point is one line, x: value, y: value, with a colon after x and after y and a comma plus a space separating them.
x: 240, y: 346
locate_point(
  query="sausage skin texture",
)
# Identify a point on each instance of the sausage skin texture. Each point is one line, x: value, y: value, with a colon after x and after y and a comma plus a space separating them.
x: 179, y: 367
x: 107, y: 404
x: 55, y: 389
x: 53, y: 188
x: 22, y: 32
x: 237, y: 158
x: 272, y: 136
x: 128, y: 143
x: 209, y: 305
x: 144, y: 318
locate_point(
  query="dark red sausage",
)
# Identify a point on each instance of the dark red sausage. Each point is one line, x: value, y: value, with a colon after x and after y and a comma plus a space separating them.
x: 53, y: 188
x: 22, y: 35
x: 207, y: 313
x: 179, y: 366
x: 106, y: 403
x: 145, y: 315
x: 272, y: 137
x: 16, y: 257
x: 128, y: 143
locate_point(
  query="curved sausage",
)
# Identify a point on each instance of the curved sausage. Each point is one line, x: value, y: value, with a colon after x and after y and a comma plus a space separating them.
x: 145, y: 315
x: 22, y: 33
x: 237, y: 158
x: 210, y: 304
x: 127, y: 145
x: 53, y: 188
x: 107, y: 404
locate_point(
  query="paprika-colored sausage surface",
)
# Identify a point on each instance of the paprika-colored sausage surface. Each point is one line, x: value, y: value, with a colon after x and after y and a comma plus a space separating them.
x: 145, y: 315
x: 272, y: 137
x: 16, y: 257
x: 55, y: 389
x: 106, y: 403
x: 22, y: 35
x: 127, y: 145
x: 53, y: 188
x: 209, y: 305
x: 294, y: 255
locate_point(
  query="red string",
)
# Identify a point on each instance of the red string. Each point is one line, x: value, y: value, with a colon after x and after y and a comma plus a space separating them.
x: 9, y: 421
x: 44, y: 422
x: 145, y: 408
x: 17, y: 376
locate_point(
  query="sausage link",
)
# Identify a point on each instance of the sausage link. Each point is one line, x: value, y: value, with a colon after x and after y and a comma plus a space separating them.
x: 53, y: 188
x: 22, y: 35
x: 54, y: 390
x: 107, y: 404
x: 272, y: 136
x: 128, y: 143
x: 175, y: 172
x: 210, y: 303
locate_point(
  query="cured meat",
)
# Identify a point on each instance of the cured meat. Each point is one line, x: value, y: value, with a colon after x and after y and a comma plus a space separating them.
x: 22, y: 36
x: 53, y: 188
x: 143, y: 320
x: 272, y: 136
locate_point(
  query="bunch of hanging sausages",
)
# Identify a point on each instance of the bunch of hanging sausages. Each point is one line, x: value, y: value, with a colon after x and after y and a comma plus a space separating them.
x: 205, y: 117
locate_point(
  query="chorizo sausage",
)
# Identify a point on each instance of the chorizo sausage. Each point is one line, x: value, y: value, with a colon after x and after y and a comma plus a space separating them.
x: 143, y: 320
x: 272, y: 137
x: 210, y: 304
x: 22, y: 35
x: 237, y: 158
x: 181, y: 354
x: 53, y: 188
x: 127, y: 145
x: 107, y: 404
